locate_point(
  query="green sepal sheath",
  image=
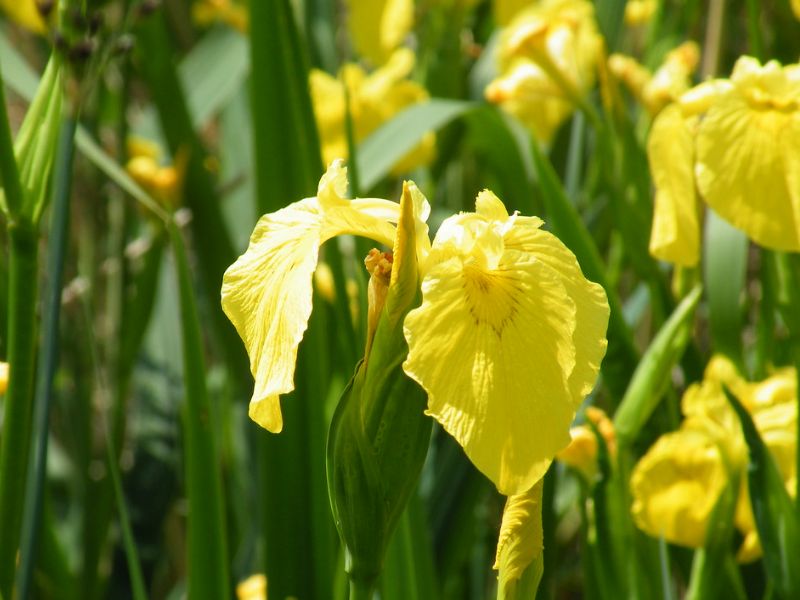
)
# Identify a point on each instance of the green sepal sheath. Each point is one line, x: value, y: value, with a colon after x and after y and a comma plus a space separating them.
x: 379, y: 434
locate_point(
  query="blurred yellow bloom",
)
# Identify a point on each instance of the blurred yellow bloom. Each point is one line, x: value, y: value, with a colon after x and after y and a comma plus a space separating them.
x: 164, y: 183
x: 547, y: 59
x: 27, y: 13
x: 252, y: 588
x: 230, y: 12
x: 639, y: 12
x: 378, y: 27
x: 737, y: 142
x: 581, y: 453
x: 796, y: 8
x: 677, y: 483
x: 499, y: 294
x: 3, y: 377
x: 671, y: 79
x: 374, y: 99
x: 506, y: 10
x: 521, y: 541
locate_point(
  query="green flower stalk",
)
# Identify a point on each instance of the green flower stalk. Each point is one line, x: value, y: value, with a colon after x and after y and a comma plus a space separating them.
x: 22, y: 202
x: 379, y: 435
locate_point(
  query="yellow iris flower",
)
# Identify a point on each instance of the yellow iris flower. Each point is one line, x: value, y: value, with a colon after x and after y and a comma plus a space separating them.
x: 581, y: 454
x: 670, y: 80
x: 738, y: 142
x: 551, y: 36
x: 507, y: 341
x: 378, y: 27
x: 374, y: 99
x: 677, y: 483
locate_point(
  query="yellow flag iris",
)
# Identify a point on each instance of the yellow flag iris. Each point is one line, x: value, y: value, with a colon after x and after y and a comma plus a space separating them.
x: 677, y: 483
x: 550, y: 38
x: 504, y: 301
x: 374, y: 99
x: 507, y: 342
x: 737, y: 142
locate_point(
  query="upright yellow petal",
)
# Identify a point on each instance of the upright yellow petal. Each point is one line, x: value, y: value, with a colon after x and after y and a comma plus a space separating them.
x: 675, y: 236
x: 748, y: 153
x: 676, y: 485
x: 267, y: 292
x: 494, y: 342
x: 378, y: 27
x: 521, y: 539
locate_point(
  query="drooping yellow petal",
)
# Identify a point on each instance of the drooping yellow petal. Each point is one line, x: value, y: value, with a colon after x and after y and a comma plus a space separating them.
x: 252, y: 588
x: 491, y: 313
x: 675, y: 236
x: 676, y: 485
x: 591, y: 303
x: 521, y: 539
x: 748, y: 154
x: 267, y: 292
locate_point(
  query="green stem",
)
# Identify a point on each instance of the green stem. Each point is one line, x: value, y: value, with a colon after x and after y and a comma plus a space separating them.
x: 23, y: 276
x: 360, y: 590
x: 753, y: 30
x: 48, y: 359
x: 9, y: 173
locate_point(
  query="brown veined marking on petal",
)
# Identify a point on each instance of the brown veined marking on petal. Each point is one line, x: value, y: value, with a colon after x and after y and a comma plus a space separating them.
x: 491, y: 297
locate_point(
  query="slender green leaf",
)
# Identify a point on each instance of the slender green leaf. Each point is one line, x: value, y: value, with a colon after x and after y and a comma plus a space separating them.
x: 299, y: 534
x: 653, y: 372
x: 48, y: 358
x: 380, y: 151
x: 207, y: 542
x: 773, y: 509
x: 724, y: 269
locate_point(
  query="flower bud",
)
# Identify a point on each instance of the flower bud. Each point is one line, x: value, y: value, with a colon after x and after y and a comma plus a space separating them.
x: 379, y: 434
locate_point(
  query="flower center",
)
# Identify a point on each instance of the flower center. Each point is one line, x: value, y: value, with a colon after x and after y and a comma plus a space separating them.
x: 491, y: 297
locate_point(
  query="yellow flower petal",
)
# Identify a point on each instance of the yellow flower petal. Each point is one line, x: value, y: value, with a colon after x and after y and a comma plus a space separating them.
x: 3, y: 377
x: 374, y: 99
x: 377, y: 27
x: 675, y: 236
x: 748, y: 150
x: 492, y: 313
x: 26, y: 13
x: 521, y: 539
x: 675, y: 486
x: 267, y: 292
